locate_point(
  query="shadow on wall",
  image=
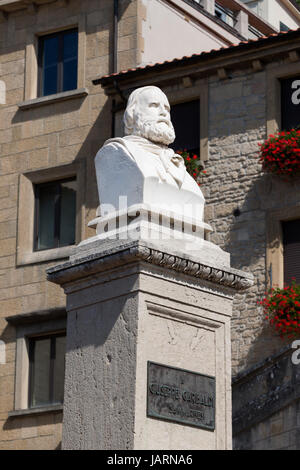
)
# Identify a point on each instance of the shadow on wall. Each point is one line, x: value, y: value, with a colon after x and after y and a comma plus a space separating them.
x: 29, y: 426
x: 87, y: 150
x: 246, y: 240
x: 98, y: 132
x: 247, y: 243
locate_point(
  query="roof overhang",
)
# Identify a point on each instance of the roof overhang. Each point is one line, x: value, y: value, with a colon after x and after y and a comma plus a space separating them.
x: 243, y: 55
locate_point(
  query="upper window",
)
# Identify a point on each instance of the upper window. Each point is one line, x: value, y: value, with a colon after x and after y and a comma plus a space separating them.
x: 58, y: 58
x: 46, y: 370
x: 283, y: 27
x: 291, y: 250
x: 55, y: 214
x: 186, y: 121
x: 290, y: 103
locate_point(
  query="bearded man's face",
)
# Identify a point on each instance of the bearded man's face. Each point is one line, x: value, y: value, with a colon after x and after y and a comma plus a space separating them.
x: 152, y: 118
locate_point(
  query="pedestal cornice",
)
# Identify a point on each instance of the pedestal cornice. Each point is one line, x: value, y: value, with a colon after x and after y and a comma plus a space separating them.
x: 117, y: 254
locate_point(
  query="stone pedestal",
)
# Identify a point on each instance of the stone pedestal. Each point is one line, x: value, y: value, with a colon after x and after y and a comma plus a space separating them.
x: 132, y: 305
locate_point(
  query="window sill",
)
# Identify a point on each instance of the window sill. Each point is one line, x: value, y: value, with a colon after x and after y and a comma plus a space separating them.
x: 46, y: 255
x: 44, y: 100
x: 36, y: 411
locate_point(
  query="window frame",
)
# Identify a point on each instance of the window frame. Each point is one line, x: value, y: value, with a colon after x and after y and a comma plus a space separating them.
x: 60, y: 71
x: 275, y: 248
x: 275, y: 74
x: 26, y: 210
x: 31, y: 344
x: 57, y: 212
x: 31, y: 99
x: 33, y: 324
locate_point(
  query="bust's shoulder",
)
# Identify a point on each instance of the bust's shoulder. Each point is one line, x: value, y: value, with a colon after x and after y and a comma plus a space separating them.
x: 115, y: 148
x: 114, y: 142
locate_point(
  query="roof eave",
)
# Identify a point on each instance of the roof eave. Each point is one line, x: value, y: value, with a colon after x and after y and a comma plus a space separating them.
x: 206, y: 63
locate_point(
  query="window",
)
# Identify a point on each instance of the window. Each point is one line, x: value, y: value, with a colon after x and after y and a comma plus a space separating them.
x: 186, y: 121
x: 283, y: 27
x: 46, y: 370
x: 55, y: 214
x: 57, y: 62
x: 40, y: 363
x: 290, y: 103
x: 283, y: 245
x: 291, y: 250
x: 220, y: 13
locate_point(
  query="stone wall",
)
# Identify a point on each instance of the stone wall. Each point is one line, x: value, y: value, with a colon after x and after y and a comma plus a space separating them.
x: 266, y: 405
x: 279, y: 432
x: 239, y: 198
x: 37, y: 138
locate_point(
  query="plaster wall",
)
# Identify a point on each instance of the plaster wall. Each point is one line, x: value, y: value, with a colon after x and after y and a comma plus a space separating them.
x: 169, y: 33
x: 277, y: 12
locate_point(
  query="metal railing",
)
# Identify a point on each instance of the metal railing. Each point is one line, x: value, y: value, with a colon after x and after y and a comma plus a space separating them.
x: 225, y: 15
x: 254, y: 31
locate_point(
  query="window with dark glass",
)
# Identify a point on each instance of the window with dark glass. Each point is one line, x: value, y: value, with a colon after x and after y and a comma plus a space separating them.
x: 58, y: 58
x: 291, y: 250
x: 283, y: 27
x: 290, y: 103
x: 55, y: 214
x: 46, y: 370
x: 186, y: 121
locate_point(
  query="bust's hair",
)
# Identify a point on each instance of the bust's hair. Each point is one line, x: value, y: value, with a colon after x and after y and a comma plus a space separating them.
x: 128, y: 118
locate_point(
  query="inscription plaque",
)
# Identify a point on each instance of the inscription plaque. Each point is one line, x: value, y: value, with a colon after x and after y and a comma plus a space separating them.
x: 182, y: 396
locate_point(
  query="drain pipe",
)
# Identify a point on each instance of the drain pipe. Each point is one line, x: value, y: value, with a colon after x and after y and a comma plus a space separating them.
x: 115, y: 61
x: 115, y: 34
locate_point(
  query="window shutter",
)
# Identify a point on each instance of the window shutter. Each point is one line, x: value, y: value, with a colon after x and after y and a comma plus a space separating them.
x: 291, y: 250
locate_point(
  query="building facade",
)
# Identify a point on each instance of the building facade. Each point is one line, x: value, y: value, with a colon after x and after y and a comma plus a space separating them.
x: 282, y: 14
x: 56, y: 113
x: 239, y: 91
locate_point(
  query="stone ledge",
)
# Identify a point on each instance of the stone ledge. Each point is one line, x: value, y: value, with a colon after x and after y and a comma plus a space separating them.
x: 58, y: 97
x: 246, y: 375
x: 36, y: 317
x: 36, y: 411
x: 264, y: 390
x: 138, y: 251
x: 44, y: 255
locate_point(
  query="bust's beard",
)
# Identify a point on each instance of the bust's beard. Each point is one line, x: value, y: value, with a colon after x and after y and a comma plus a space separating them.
x: 160, y: 133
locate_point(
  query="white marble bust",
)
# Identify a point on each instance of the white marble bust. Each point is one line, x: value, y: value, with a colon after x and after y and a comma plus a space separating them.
x: 140, y: 165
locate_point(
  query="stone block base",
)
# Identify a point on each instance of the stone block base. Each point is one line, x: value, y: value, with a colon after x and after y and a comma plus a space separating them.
x: 132, y: 304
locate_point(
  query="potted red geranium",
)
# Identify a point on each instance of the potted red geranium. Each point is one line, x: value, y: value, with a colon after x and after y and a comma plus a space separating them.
x: 282, y: 309
x: 193, y: 165
x: 280, y: 153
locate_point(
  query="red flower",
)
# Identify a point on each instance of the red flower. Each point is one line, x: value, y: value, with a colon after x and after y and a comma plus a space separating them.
x: 280, y: 154
x: 282, y: 309
x: 192, y: 164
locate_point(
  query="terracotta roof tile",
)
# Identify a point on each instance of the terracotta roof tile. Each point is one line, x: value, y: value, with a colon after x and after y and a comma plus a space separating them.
x: 231, y: 46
